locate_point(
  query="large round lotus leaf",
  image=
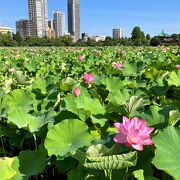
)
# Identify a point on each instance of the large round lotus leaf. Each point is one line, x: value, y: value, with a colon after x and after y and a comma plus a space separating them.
x: 40, y: 83
x: 19, y: 98
x: 21, y: 77
x: 6, y: 171
x: 24, y: 120
x: 113, y: 84
x: 174, y: 78
x: 167, y: 157
x: 66, y: 137
x: 32, y: 162
x: 27, y: 164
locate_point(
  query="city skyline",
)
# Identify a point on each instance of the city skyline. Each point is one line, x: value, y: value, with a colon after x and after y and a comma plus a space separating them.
x: 152, y: 16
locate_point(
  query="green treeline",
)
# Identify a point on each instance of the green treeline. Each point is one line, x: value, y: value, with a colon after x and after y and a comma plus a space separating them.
x: 138, y: 38
x: 17, y: 40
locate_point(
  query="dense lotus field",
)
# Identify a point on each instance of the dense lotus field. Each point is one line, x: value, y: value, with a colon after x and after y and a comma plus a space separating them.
x: 90, y: 113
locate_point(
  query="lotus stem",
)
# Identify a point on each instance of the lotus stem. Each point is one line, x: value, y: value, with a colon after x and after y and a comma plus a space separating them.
x: 35, y: 141
x: 4, y: 152
x: 108, y: 174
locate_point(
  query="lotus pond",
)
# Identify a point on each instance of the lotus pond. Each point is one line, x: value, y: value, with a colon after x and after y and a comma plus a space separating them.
x: 90, y: 113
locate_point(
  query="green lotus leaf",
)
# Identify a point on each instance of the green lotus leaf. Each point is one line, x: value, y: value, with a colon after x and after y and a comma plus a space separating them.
x: 93, y: 109
x: 70, y: 101
x: 32, y: 162
x: 113, y: 162
x: 174, y: 117
x: 119, y: 97
x: 2, y: 107
x: 24, y: 120
x: 131, y: 69
x: 66, y: 137
x: 15, y: 167
x: 97, y: 150
x: 6, y: 171
x: 113, y: 83
x: 82, y: 107
x: 89, y: 104
x: 19, y: 99
x: 174, y: 78
x: 3, y: 130
x: 21, y: 78
x: 7, y: 85
x: 40, y: 83
x: 154, y: 116
x: 31, y: 66
x: 139, y: 174
x: 167, y: 158
x: 66, y: 164
x: 134, y: 104
x: 75, y: 174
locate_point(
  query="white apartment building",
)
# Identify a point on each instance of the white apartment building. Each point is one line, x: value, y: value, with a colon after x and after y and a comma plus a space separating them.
x: 59, y: 23
x: 117, y: 33
x: 38, y: 18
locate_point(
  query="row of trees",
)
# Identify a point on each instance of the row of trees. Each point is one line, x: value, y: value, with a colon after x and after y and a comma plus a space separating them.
x: 138, y: 38
x: 17, y: 40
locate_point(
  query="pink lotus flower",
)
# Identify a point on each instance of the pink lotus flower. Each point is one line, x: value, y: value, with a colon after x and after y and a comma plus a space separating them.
x: 77, y: 91
x: 81, y: 58
x: 133, y: 133
x: 117, y: 65
x: 88, y: 78
x: 178, y: 66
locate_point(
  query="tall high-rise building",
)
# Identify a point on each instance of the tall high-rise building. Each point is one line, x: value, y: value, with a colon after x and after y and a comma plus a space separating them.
x: 74, y: 18
x: 22, y: 26
x: 117, y: 33
x: 59, y: 23
x: 38, y: 18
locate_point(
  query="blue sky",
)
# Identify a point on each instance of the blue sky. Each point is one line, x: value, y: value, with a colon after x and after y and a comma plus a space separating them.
x: 101, y: 16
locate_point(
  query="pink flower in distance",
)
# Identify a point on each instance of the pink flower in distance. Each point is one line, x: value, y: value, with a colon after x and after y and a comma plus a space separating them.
x: 122, y: 52
x: 81, y: 58
x: 178, y: 66
x: 117, y: 65
x: 133, y: 133
x: 88, y: 78
x: 166, y: 49
x: 77, y: 91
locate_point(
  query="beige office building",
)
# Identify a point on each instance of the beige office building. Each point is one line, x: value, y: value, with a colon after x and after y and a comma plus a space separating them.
x: 38, y: 18
x: 51, y: 33
x: 5, y: 30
